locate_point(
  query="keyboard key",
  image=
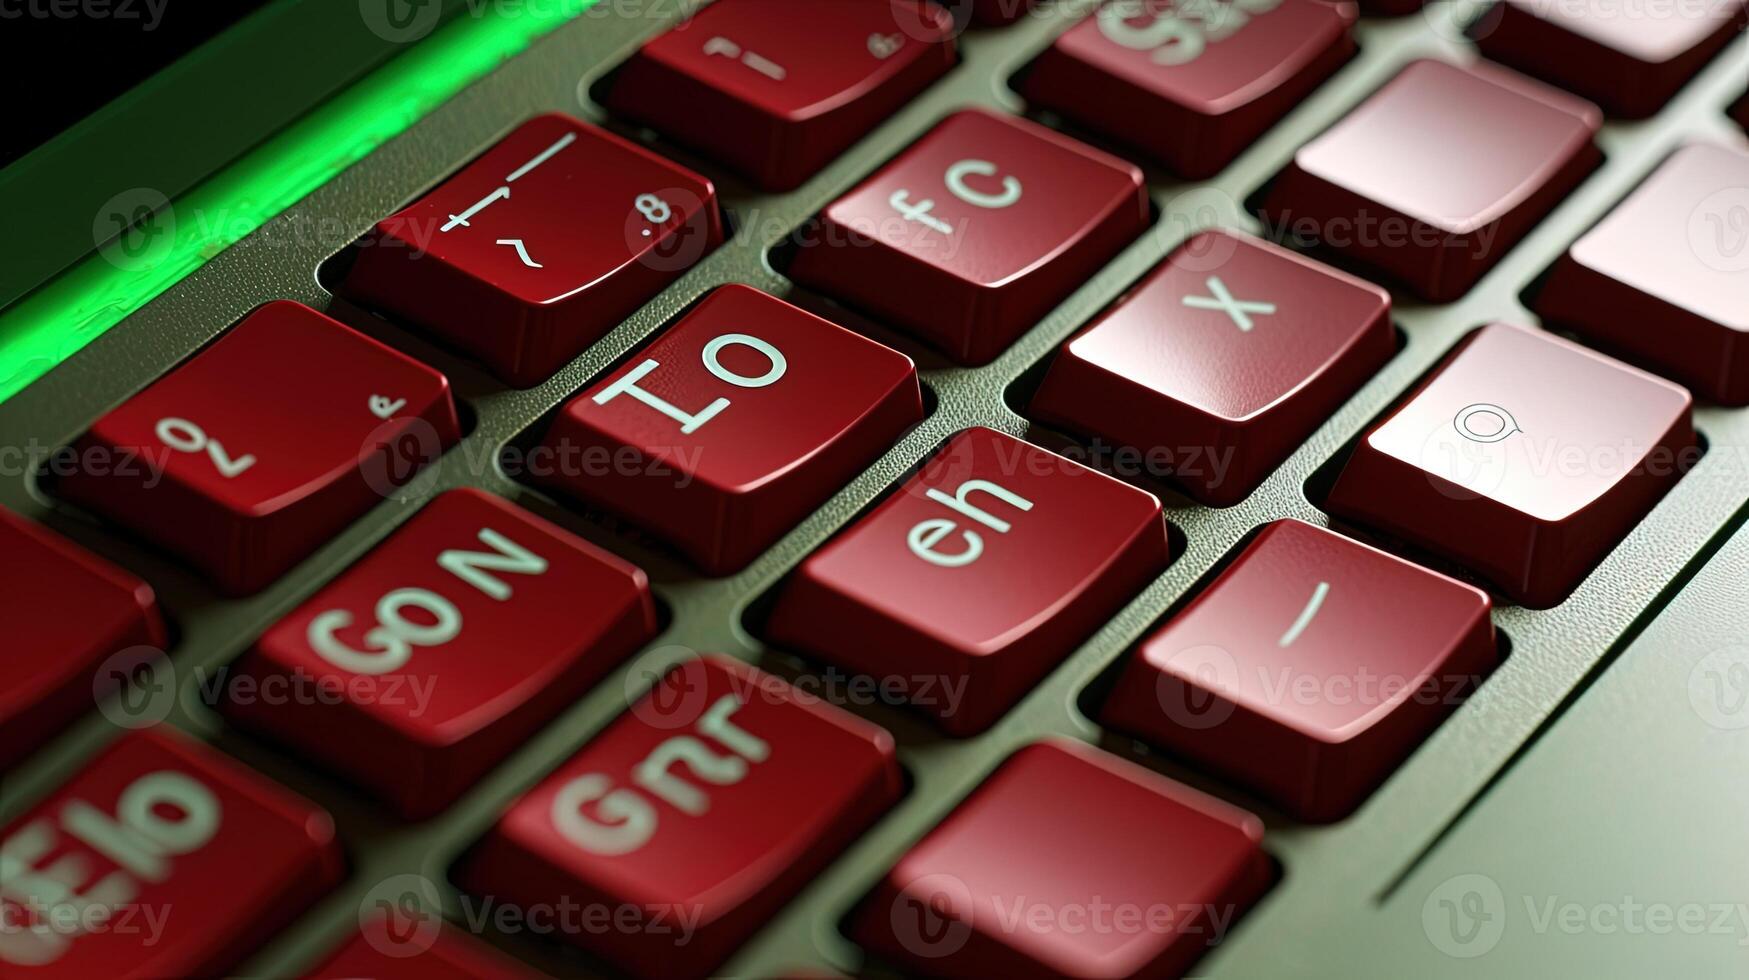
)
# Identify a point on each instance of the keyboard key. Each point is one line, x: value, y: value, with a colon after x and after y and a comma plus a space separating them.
x: 1525, y: 458
x: 977, y: 577
x: 254, y: 452
x: 999, y: 13
x: 1390, y: 8
x: 1114, y: 870
x: 1741, y: 111
x: 539, y: 247
x: 1617, y: 53
x: 702, y: 810
x: 1226, y: 357
x: 443, y: 649
x: 776, y: 90
x: 159, y: 858
x: 1438, y: 175
x: 67, y: 611
x: 426, y: 949
x: 1308, y: 670
x: 976, y: 231
x: 1664, y: 279
x: 1191, y: 83
x: 733, y: 426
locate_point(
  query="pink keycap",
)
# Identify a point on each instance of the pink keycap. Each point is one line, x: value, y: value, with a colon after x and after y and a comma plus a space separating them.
x: 538, y: 247
x: 975, y: 232
x: 261, y: 447
x: 1191, y: 83
x: 387, y: 948
x: 1664, y: 279
x: 734, y: 425
x: 67, y: 612
x: 1224, y: 359
x: 443, y: 649
x: 1308, y: 670
x: 167, y: 859
x: 1068, y: 862
x: 976, y: 578
x: 777, y: 89
x: 1626, y: 56
x: 1525, y: 458
x: 701, y: 811
x: 1439, y: 174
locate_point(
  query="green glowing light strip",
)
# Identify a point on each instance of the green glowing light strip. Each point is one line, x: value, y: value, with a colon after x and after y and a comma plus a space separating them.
x: 53, y: 323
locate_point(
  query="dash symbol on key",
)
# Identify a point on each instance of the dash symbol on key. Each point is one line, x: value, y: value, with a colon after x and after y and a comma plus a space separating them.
x: 521, y: 252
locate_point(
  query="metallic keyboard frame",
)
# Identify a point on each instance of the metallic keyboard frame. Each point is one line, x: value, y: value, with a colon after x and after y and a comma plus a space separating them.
x: 1334, y: 878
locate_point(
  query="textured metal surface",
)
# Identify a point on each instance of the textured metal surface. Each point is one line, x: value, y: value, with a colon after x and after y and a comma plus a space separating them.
x: 1333, y: 876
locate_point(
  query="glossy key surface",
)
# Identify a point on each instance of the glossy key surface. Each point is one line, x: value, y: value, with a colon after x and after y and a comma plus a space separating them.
x: 1663, y: 280
x: 732, y: 426
x: 1308, y: 670
x: 443, y: 649
x: 975, y: 232
x: 169, y: 859
x: 257, y: 450
x: 1628, y: 56
x: 1437, y: 175
x: 696, y: 815
x: 68, y: 613
x: 980, y: 574
x: 777, y: 89
x: 1525, y: 458
x: 1191, y: 82
x: 1220, y: 362
x: 539, y: 246
x: 1068, y: 861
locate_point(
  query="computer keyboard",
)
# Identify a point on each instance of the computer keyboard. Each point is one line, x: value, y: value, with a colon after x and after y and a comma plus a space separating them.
x: 822, y: 487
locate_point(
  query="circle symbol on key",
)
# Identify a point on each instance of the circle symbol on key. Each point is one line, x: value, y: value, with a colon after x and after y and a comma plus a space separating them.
x: 1483, y: 422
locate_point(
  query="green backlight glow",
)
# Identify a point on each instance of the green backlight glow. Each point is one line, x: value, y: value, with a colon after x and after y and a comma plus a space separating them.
x: 55, y: 321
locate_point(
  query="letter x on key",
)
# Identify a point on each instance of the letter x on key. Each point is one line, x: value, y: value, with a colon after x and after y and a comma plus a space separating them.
x: 1220, y: 299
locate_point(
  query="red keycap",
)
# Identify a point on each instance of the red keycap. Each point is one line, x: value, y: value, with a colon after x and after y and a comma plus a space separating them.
x: 999, y: 13
x: 1390, y: 8
x: 425, y: 949
x: 1617, y: 53
x: 67, y: 611
x: 776, y: 89
x: 1224, y: 359
x: 976, y: 578
x: 262, y: 446
x: 1524, y: 457
x: 702, y: 810
x: 1664, y: 279
x: 159, y: 858
x: 734, y: 425
x: 1191, y: 82
x: 1070, y: 862
x: 1436, y: 176
x: 443, y: 649
x: 976, y: 231
x: 539, y: 247
x: 1309, y: 669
